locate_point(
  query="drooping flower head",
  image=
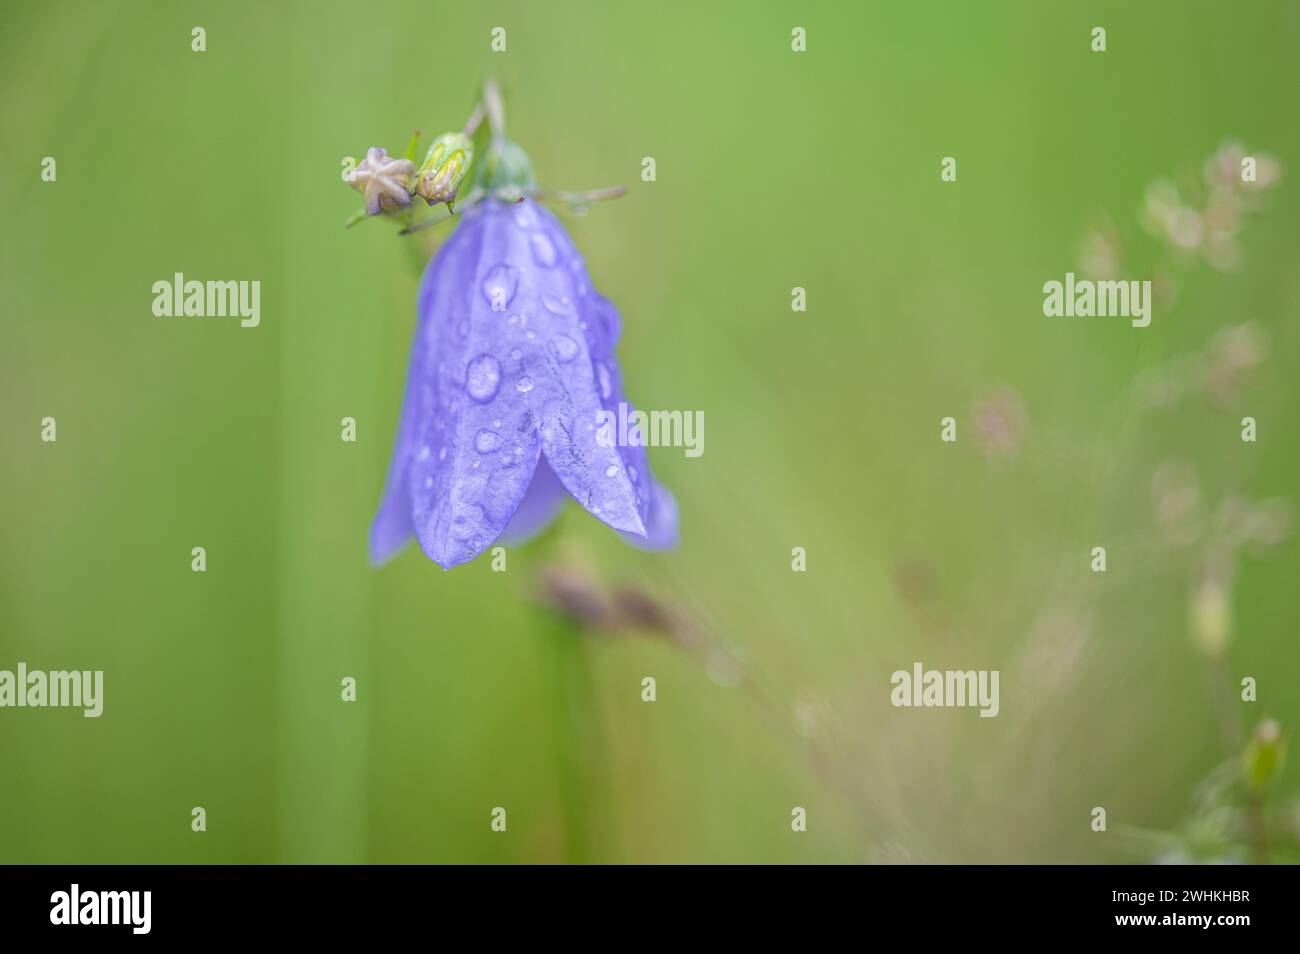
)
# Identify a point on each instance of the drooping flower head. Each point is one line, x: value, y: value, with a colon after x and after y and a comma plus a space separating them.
x: 512, y: 374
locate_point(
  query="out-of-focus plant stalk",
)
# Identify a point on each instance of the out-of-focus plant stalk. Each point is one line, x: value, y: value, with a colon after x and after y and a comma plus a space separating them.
x: 325, y: 592
x: 577, y: 736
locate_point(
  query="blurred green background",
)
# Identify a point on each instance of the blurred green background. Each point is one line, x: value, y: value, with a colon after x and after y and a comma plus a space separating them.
x: 774, y: 170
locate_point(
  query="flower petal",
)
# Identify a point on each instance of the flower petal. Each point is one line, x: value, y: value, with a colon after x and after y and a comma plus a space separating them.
x: 477, y: 437
x: 546, y: 495
x: 566, y: 389
x: 661, y: 526
x: 393, y: 525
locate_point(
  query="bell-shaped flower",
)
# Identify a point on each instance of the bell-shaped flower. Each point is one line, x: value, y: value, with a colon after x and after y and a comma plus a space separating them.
x: 511, y: 387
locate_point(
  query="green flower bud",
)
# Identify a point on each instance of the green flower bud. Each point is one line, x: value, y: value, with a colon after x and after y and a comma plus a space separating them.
x: 444, y: 168
x: 1264, y: 756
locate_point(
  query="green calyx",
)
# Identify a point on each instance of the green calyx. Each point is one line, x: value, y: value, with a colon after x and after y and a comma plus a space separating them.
x: 507, y: 173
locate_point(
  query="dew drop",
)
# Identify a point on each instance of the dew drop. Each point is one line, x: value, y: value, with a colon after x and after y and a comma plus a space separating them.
x: 516, y: 354
x: 499, y: 287
x: 466, y: 520
x: 483, y: 378
x: 543, y: 250
x: 555, y: 306
x: 566, y: 349
x: 524, y: 385
x: 525, y: 217
x: 602, y: 378
x: 611, y: 471
x: 631, y: 472
x: 485, y: 442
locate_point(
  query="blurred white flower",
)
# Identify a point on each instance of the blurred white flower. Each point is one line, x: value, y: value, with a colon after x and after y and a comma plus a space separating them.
x: 1204, y: 219
x: 1179, y: 509
x: 1230, y: 355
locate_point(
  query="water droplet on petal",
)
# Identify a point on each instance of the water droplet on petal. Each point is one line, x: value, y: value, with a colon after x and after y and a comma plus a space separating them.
x: 543, y: 250
x: 566, y: 349
x: 602, y: 377
x: 555, y: 306
x: 499, y: 287
x: 485, y: 442
x: 525, y: 217
x: 424, y: 453
x: 465, y: 520
x: 483, y: 378
x: 516, y: 354
x: 631, y: 472
x: 524, y: 385
x: 611, y: 471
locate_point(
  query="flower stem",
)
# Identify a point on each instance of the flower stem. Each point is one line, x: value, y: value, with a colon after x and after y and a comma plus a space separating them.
x: 475, y: 120
x: 577, y: 738
x: 496, y: 110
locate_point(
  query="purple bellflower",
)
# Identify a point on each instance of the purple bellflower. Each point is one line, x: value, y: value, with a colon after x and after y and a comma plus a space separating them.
x: 511, y: 367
